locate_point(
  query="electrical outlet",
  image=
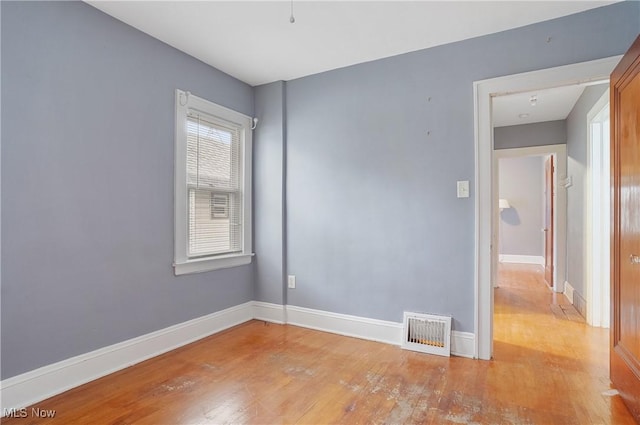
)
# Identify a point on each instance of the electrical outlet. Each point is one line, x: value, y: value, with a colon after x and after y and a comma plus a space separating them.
x: 291, y: 281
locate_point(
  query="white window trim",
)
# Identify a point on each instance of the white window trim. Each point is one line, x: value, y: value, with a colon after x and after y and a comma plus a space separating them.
x: 182, y: 263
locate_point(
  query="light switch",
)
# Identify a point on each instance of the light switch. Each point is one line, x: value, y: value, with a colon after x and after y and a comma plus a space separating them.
x: 463, y: 189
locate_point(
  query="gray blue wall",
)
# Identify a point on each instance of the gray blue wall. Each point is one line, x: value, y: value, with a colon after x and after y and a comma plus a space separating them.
x: 577, y: 144
x: 268, y: 198
x: 521, y: 183
x: 87, y: 171
x: 373, y: 155
x: 527, y: 135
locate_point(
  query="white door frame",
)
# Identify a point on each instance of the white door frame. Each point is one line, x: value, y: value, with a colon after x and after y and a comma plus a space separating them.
x: 596, y: 236
x: 485, y: 207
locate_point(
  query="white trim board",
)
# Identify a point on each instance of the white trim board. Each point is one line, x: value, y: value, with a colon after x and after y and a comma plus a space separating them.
x: 344, y: 324
x: 522, y: 259
x: 596, y: 265
x: 39, y: 384
x: 268, y: 312
x: 485, y: 208
x: 568, y: 291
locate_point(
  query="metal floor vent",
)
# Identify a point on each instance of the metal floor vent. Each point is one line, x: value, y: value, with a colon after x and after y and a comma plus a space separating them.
x: 427, y: 333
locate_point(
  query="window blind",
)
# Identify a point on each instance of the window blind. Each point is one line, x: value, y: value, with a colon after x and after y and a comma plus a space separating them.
x: 214, y: 186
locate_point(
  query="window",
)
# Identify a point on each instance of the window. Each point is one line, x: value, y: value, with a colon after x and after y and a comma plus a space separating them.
x: 212, y: 186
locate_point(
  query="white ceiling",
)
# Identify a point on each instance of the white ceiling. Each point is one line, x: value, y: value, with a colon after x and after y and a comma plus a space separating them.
x: 254, y: 41
x: 551, y: 104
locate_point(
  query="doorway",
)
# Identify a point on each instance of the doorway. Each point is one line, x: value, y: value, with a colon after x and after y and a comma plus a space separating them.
x: 486, y: 199
x: 531, y: 244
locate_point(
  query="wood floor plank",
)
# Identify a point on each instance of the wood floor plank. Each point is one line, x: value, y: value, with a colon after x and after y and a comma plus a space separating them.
x: 549, y: 367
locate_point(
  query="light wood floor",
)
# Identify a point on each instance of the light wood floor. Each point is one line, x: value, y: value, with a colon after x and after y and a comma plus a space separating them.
x: 549, y: 368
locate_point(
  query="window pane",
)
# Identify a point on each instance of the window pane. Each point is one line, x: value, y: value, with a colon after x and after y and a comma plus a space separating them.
x: 212, y: 154
x: 209, y: 235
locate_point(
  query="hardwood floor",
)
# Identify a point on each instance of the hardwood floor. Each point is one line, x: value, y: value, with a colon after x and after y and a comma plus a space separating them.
x: 549, y: 368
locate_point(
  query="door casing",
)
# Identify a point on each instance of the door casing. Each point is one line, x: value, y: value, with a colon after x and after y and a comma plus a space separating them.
x: 597, y: 228
x: 485, y: 201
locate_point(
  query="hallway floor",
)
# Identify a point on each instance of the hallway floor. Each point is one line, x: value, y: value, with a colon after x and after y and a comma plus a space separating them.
x: 561, y: 363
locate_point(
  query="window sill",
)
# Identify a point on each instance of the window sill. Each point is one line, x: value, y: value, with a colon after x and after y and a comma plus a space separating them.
x: 209, y: 264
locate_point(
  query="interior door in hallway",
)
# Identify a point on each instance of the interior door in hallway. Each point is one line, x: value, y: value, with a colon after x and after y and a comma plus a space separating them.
x: 548, y: 220
x: 625, y: 259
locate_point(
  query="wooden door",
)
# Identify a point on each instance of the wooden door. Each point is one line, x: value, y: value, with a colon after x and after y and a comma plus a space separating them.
x: 625, y: 249
x: 548, y: 220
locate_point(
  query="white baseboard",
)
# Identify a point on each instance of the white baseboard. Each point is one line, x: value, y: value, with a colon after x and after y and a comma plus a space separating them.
x: 344, y: 324
x: 39, y: 384
x: 274, y: 313
x: 462, y: 343
x: 522, y: 259
x: 568, y: 291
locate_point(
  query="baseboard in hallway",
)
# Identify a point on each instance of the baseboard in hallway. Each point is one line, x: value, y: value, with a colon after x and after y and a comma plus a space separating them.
x: 580, y: 304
